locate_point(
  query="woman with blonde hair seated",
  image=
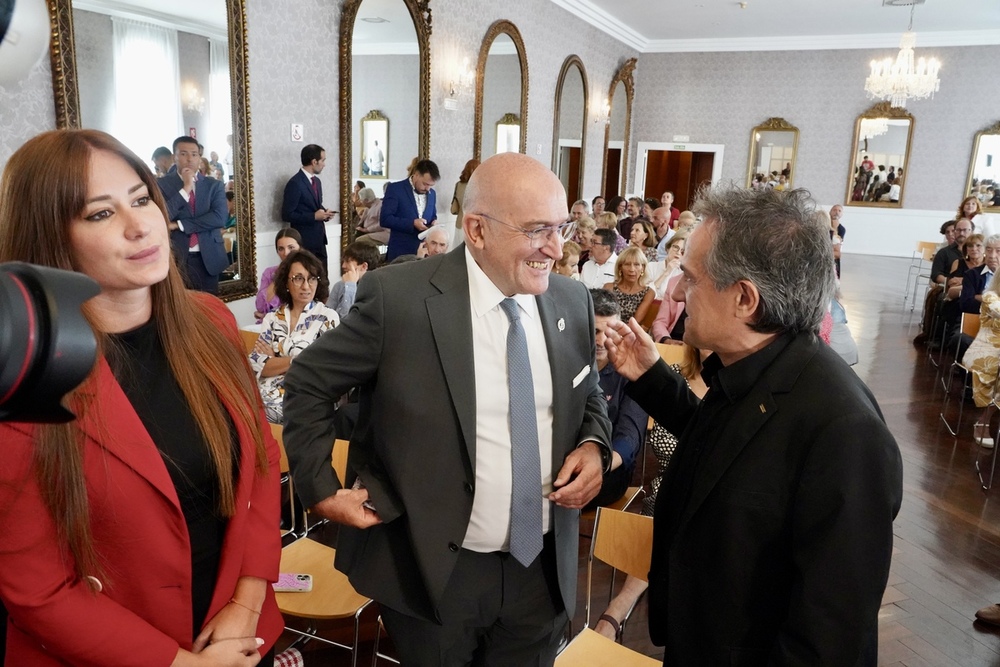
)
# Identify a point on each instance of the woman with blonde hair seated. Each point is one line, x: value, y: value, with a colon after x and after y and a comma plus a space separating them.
x: 145, y: 531
x: 302, y: 287
x: 634, y: 297
x: 983, y: 359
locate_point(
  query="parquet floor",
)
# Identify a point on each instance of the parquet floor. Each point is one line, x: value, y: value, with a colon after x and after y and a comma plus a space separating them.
x: 946, y: 562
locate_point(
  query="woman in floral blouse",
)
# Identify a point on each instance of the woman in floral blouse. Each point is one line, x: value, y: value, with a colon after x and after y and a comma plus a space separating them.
x: 301, y: 285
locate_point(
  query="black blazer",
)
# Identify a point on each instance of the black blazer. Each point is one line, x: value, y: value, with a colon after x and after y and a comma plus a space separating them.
x: 783, y: 548
x: 408, y: 343
x: 298, y: 208
x: 399, y: 210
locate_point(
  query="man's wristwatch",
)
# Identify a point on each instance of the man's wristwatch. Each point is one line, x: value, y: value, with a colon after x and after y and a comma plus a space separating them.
x: 605, y: 458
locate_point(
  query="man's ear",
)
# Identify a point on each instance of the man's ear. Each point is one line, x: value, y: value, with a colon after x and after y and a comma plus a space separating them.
x: 472, y: 225
x: 747, y: 299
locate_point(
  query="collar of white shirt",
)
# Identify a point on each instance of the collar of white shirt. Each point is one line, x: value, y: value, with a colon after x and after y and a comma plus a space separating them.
x: 484, y: 296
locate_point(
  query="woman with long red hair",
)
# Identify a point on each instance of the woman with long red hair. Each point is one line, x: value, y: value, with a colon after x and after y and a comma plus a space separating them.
x: 146, y: 531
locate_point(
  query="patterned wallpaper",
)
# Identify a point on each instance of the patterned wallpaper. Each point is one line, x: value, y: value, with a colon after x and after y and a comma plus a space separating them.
x: 716, y: 98
x: 26, y: 108
x: 94, y: 61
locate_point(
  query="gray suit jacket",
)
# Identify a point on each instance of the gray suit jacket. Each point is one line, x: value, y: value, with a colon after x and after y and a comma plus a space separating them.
x: 408, y: 344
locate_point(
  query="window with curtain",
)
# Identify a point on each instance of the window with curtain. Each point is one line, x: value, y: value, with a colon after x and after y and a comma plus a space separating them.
x: 147, y: 86
x: 220, y: 110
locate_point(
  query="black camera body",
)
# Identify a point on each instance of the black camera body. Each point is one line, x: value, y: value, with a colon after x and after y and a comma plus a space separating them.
x: 47, y: 347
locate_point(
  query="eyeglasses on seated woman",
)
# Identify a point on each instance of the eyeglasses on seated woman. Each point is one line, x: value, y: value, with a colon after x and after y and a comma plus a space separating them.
x: 144, y: 532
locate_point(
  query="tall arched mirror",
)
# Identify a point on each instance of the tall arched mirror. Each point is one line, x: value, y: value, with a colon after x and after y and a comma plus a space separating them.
x: 385, y: 94
x: 773, y: 144
x: 149, y: 75
x: 569, y: 131
x: 619, y: 123
x: 881, y: 146
x: 984, y: 167
x: 501, y: 92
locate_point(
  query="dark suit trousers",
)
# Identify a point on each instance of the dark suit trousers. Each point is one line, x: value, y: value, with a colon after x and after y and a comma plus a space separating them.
x: 494, y: 612
x: 195, y: 275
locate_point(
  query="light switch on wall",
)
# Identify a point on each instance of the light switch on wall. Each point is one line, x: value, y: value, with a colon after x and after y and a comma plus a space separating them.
x: 538, y: 149
x: 297, y: 132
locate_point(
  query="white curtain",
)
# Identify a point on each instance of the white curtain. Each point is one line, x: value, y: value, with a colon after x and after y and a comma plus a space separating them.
x: 220, y: 109
x: 147, y: 87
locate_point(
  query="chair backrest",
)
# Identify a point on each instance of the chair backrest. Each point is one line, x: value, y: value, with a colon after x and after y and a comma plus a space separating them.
x: 277, y: 431
x: 339, y: 459
x: 624, y: 541
x: 671, y: 353
x: 248, y: 338
x: 928, y: 254
x: 651, y: 313
x: 970, y: 324
x: 923, y: 246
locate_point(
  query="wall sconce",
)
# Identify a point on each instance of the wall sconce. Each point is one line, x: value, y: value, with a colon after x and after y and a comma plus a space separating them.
x: 602, y: 114
x: 194, y: 102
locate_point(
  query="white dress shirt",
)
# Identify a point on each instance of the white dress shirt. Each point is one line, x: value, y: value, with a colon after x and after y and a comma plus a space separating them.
x: 489, y: 525
x: 595, y: 275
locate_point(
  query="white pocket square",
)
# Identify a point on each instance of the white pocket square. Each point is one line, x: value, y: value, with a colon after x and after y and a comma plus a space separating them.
x: 584, y: 372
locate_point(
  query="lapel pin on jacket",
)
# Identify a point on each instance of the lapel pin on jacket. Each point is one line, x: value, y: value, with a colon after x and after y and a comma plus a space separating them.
x: 561, y: 324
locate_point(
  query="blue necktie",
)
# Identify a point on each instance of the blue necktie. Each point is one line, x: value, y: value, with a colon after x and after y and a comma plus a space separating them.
x: 526, y: 482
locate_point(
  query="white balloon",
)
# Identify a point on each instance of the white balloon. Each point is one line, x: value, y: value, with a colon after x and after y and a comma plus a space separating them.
x: 26, y: 38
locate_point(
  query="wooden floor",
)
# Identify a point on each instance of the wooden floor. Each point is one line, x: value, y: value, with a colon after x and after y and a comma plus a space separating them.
x: 946, y: 562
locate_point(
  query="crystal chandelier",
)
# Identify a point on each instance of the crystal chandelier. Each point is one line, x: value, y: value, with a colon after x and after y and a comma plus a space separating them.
x: 874, y: 127
x: 901, y: 79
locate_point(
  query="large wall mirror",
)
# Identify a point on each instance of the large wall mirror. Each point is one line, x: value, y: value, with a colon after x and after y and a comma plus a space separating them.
x: 385, y: 65
x: 772, y: 154
x: 569, y: 131
x: 150, y: 72
x: 879, y: 153
x: 984, y: 167
x: 614, y: 172
x: 501, y: 92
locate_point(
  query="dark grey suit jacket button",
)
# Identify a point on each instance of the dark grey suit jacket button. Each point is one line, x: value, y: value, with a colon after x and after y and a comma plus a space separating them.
x: 468, y: 488
x: 453, y: 546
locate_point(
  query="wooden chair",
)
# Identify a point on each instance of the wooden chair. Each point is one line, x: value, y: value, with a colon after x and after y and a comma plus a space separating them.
x: 921, y: 256
x: 671, y: 353
x: 249, y: 338
x: 625, y: 542
x: 651, y: 313
x: 970, y: 327
x: 286, y: 478
x: 332, y: 596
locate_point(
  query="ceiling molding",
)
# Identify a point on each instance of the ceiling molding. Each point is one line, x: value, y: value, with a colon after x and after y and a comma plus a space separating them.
x: 386, y: 49
x: 823, y: 42
x: 127, y: 11
x: 600, y: 19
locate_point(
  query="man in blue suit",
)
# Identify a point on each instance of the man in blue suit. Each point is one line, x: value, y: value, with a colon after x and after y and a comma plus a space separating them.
x: 197, y: 209
x: 410, y: 207
x: 302, y: 204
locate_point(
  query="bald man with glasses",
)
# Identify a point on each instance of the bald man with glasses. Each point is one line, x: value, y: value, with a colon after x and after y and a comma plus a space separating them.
x: 482, y: 431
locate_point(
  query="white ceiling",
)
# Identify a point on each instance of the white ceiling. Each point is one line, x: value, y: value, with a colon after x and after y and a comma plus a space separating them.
x: 721, y: 25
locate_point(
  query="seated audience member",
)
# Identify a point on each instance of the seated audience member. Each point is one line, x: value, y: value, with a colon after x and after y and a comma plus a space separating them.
x: 643, y: 237
x: 597, y: 205
x: 302, y: 288
x: 600, y: 268
x: 285, y: 241
x: 973, y: 258
x: 628, y: 421
x: 568, y: 264
x: 433, y: 241
x: 841, y: 341
x: 664, y: 232
x: 669, y: 275
x: 370, y: 208
x: 629, y: 288
x: 585, y: 228
x: 359, y: 258
x: 634, y: 207
x: 948, y: 232
x: 837, y: 232
x: 163, y: 160
x: 606, y: 221
x: 663, y: 443
x: 944, y: 259
x: 617, y: 206
x: 650, y: 205
x: 686, y: 222
x: 981, y: 359
x: 144, y: 531
x: 579, y: 209
x: 973, y: 283
x: 667, y: 201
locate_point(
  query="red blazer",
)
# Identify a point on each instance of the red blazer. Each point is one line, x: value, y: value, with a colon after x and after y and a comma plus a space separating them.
x: 143, y: 612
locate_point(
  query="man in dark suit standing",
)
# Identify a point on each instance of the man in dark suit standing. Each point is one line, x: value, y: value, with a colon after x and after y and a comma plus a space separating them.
x: 410, y: 207
x: 772, y: 530
x: 302, y: 204
x: 197, y: 209
x: 473, y: 451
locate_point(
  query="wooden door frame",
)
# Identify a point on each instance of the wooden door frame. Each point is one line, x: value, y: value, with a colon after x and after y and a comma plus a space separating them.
x: 643, y: 147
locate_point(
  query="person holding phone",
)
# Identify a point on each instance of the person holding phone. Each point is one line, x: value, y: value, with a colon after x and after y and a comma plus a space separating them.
x: 145, y: 531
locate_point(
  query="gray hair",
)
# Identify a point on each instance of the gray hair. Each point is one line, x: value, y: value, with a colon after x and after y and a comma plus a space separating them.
x: 583, y: 203
x: 367, y: 195
x: 992, y: 239
x: 605, y: 304
x: 774, y: 240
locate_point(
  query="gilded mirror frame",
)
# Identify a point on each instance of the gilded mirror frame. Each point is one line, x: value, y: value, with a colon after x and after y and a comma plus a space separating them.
x: 505, y: 27
x: 991, y: 130
x: 571, y: 61
x: 66, y: 92
x: 421, y: 15
x: 623, y: 76
x: 879, y: 110
x: 772, y: 125
x: 375, y: 116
